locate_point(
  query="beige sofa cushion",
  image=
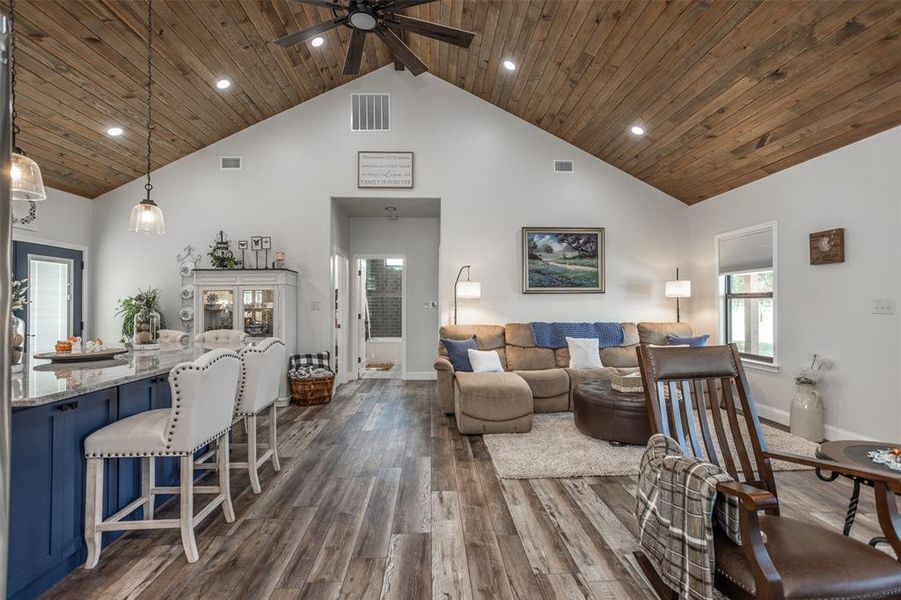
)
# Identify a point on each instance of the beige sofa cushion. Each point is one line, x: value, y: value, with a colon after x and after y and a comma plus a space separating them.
x: 620, y: 356
x: 519, y: 334
x: 488, y: 337
x: 546, y: 382
x: 630, y: 334
x: 492, y: 396
x: 530, y: 359
x: 655, y: 333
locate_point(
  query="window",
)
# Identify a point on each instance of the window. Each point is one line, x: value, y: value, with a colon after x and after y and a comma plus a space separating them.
x: 747, y: 270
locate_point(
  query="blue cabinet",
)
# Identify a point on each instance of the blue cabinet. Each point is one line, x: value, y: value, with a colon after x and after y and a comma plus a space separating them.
x: 46, y: 537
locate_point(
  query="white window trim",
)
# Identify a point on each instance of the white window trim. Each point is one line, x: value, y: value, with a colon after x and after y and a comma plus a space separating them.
x: 721, y: 292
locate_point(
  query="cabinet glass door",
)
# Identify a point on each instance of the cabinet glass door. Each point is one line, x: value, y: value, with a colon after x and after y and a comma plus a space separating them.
x: 218, y: 309
x: 258, y: 307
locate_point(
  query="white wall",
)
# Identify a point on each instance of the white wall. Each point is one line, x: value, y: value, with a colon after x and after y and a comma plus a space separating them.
x: 491, y: 170
x: 823, y: 309
x: 418, y: 240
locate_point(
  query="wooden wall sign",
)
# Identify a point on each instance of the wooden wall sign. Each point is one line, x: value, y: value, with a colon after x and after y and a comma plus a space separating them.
x: 827, y: 247
x: 385, y: 170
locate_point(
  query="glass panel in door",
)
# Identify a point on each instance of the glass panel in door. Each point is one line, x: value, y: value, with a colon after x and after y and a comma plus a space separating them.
x: 218, y: 309
x: 50, y: 301
x: 259, y: 312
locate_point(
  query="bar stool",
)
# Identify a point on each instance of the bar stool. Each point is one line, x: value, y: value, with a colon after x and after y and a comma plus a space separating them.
x: 233, y: 339
x: 203, y: 400
x: 173, y: 336
x: 262, y: 367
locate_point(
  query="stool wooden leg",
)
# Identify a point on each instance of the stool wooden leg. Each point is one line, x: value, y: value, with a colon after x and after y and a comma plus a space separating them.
x: 251, y: 426
x: 273, y: 438
x: 186, y: 514
x: 93, y: 510
x: 148, y: 482
x: 224, y: 479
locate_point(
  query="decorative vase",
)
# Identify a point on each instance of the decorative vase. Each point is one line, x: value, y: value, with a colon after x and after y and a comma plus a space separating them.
x: 808, y: 414
x: 146, y: 334
x: 16, y: 341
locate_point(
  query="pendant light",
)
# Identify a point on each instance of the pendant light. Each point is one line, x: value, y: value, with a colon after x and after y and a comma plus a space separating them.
x: 26, y: 182
x: 146, y: 216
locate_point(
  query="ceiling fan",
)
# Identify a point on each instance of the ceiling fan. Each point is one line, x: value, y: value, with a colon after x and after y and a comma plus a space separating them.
x: 382, y: 18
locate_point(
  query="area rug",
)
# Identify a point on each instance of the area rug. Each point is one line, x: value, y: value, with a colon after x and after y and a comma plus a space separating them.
x: 555, y: 448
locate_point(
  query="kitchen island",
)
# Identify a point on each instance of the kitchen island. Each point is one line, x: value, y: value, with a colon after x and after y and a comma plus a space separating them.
x: 55, y: 407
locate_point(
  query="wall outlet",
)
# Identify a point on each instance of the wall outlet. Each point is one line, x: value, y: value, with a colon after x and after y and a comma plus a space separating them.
x: 882, y: 306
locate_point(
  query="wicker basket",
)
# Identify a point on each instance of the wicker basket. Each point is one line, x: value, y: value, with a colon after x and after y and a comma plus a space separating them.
x: 308, y: 392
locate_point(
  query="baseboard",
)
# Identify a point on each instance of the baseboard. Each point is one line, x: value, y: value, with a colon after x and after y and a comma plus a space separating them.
x: 421, y: 375
x: 832, y: 432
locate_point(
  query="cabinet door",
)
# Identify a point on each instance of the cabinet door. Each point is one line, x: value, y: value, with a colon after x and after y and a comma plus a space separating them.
x: 166, y: 467
x: 135, y: 397
x: 258, y: 316
x: 216, y: 308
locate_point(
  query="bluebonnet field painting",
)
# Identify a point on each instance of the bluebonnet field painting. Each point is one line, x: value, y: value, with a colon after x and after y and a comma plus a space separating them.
x: 563, y: 260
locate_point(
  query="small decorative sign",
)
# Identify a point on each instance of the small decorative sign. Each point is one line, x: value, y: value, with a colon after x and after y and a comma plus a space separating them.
x: 827, y: 247
x: 385, y: 170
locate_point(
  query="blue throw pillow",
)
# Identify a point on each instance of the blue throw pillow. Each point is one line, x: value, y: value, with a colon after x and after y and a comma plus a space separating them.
x: 458, y: 352
x: 675, y: 340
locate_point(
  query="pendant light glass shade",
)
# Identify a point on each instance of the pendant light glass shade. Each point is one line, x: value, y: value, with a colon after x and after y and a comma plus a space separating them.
x: 146, y: 217
x: 27, y: 183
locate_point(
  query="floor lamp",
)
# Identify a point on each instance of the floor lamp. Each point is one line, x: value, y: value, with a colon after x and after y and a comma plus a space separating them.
x: 465, y: 289
x: 677, y: 288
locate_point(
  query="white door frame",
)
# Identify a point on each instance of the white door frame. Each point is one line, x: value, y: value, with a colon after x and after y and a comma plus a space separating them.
x: 358, y: 345
x: 341, y: 314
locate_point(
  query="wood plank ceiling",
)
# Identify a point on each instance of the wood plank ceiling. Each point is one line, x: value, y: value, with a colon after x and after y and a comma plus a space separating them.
x: 728, y: 92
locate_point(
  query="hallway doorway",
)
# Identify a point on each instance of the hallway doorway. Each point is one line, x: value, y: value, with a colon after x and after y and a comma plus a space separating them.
x: 381, y: 316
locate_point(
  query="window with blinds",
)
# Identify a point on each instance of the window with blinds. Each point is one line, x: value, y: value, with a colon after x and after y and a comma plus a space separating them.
x: 746, y: 265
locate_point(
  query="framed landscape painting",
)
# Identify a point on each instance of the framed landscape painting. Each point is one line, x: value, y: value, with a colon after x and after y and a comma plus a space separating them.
x: 562, y: 260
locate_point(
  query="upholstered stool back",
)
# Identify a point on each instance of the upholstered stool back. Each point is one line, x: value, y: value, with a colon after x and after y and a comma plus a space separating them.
x: 222, y: 338
x: 203, y: 399
x: 262, y: 369
x: 173, y: 336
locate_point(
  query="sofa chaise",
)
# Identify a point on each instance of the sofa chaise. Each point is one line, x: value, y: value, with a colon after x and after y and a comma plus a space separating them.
x: 535, y: 379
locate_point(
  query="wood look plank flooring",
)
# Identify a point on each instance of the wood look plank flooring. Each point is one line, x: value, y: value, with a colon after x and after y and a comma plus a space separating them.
x: 379, y: 496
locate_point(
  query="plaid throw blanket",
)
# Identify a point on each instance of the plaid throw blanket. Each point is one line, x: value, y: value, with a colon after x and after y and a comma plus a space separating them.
x: 675, y: 510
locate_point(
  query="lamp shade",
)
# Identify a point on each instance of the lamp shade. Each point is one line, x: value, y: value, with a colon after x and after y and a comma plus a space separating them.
x: 146, y: 217
x: 27, y: 183
x: 469, y: 289
x: 677, y: 288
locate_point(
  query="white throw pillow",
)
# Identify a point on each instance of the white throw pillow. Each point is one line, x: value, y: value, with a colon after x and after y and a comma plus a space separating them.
x: 485, y: 361
x: 583, y: 353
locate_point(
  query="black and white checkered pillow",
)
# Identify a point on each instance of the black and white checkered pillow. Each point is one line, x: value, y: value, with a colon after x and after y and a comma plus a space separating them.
x: 321, y: 360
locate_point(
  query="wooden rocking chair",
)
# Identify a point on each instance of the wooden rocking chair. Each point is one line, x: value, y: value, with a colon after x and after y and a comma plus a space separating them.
x: 799, y: 559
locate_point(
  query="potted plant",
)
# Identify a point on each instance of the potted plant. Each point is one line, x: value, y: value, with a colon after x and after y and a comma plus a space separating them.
x: 19, y: 297
x: 808, y: 411
x: 141, y: 319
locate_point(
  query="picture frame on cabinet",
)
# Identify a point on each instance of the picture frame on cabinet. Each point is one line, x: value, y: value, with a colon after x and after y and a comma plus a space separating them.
x: 267, y: 243
x: 256, y: 242
x: 242, y: 244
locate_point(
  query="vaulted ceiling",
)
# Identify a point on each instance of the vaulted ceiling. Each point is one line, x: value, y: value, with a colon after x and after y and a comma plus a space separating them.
x: 728, y: 92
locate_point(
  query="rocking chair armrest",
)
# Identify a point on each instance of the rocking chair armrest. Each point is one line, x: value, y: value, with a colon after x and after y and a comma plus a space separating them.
x: 892, y: 482
x: 751, y: 498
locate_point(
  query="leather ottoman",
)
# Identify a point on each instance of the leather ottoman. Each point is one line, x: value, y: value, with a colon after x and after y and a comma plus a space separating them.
x: 492, y: 403
x: 604, y: 413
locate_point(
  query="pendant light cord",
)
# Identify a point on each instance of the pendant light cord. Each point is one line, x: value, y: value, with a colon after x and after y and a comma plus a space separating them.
x: 12, y: 75
x: 148, y: 186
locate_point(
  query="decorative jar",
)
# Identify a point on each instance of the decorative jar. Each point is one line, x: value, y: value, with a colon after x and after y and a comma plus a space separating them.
x: 16, y: 341
x: 146, y: 334
x: 808, y: 413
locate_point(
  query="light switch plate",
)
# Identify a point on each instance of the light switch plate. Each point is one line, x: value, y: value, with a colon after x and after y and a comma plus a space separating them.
x: 315, y: 305
x: 882, y: 306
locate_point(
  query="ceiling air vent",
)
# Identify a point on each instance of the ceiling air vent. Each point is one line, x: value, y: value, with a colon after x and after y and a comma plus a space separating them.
x: 229, y: 163
x: 563, y: 166
x: 370, y: 112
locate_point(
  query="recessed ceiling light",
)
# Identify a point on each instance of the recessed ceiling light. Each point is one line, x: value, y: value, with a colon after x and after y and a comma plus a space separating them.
x: 391, y: 208
x: 114, y: 131
x: 637, y: 130
x: 223, y: 84
x: 317, y: 41
x: 509, y: 65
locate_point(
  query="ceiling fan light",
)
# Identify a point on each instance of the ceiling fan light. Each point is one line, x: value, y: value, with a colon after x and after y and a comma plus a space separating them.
x: 26, y: 181
x: 147, y: 217
x: 363, y: 20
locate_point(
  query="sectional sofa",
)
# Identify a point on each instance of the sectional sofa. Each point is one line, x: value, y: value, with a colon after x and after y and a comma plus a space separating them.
x: 535, y: 379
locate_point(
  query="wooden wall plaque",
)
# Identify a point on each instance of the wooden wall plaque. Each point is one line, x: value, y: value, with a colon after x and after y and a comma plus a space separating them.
x: 827, y: 247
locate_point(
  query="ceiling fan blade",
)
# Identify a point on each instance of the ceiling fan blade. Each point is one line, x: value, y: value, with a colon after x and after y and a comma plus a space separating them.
x: 402, y: 4
x: 309, y: 33
x: 451, y: 35
x: 354, y: 52
x: 401, y: 51
x: 322, y: 3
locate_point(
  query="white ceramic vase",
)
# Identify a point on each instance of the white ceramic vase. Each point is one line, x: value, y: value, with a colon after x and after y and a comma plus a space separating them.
x: 808, y: 414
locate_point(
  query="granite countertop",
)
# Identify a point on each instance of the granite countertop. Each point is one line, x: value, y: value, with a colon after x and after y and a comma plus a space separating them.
x: 40, y: 382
